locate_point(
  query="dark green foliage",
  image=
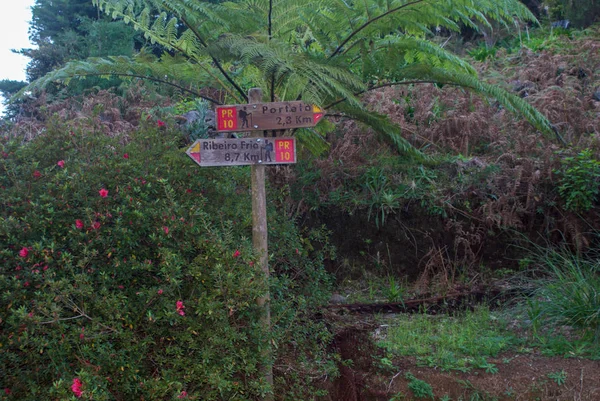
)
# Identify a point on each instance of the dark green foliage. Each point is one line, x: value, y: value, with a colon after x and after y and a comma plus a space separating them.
x: 569, y: 295
x: 51, y: 18
x: 66, y: 30
x: 379, y: 191
x: 578, y: 181
x: 7, y: 89
x: 419, y: 388
x: 483, y: 52
x: 580, y: 13
x: 90, y: 284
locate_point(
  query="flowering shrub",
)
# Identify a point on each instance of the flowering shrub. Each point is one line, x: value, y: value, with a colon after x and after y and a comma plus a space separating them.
x: 133, y: 277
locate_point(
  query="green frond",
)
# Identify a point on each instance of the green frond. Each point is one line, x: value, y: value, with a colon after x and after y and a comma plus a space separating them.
x: 510, y: 101
x: 392, y: 49
x: 288, y: 16
x: 276, y: 58
x: 381, y: 124
x: 347, y: 22
x: 173, y: 71
x: 312, y: 140
x: 325, y: 52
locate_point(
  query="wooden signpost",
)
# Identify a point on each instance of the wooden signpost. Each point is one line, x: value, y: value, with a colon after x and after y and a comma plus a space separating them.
x: 257, y: 151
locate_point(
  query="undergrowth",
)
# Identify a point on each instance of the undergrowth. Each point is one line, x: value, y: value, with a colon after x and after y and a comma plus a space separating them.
x: 127, y: 272
x: 444, y: 222
x: 447, y: 343
x: 568, y: 294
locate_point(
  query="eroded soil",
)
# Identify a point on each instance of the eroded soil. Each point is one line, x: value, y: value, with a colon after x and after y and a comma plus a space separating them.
x: 520, y: 376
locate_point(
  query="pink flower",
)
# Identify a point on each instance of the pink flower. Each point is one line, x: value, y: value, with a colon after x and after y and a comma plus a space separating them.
x: 166, y: 229
x: 61, y: 163
x: 236, y: 253
x: 7, y: 391
x: 79, y: 224
x: 126, y: 156
x: 183, y: 394
x: 96, y: 225
x: 103, y: 193
x: 160, y: 292
x: 180, y: 308
x: 189, y: 191
x: 76, y: 387
x: 160, y: 123
x: 37, y: 174
x: 81, y: 335
x: 24, y: 252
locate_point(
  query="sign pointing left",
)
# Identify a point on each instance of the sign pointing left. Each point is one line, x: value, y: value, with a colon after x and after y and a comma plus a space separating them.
x: 243, y: 151
x: 194, y: 152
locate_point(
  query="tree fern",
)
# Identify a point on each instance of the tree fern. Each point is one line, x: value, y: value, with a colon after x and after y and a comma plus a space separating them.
x: 322, y: 52
x: 143, y: 66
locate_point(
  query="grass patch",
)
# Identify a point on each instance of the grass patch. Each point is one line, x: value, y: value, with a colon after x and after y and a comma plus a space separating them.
x: 451, y: 343
x: 569, y: 295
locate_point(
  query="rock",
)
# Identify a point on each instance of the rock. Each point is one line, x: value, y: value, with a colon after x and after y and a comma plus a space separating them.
x: 561, y: 24
x: 198, y: 123
x: 474, y: 163
x: 190, y: 118
x: 596, y: 95
x: 522, y: 87
x: 337, y: 299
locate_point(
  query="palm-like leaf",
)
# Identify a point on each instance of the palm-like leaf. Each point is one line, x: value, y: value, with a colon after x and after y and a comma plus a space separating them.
x: 323, y: 52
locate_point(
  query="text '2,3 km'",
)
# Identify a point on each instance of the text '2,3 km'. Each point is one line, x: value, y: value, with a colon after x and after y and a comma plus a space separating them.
x: 267, y: 116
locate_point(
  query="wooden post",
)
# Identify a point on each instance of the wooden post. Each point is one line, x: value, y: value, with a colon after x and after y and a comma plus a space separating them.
x: 260, y: 241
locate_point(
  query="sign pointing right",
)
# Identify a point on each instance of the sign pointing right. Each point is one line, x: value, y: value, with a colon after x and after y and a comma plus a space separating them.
x: 267, y: 116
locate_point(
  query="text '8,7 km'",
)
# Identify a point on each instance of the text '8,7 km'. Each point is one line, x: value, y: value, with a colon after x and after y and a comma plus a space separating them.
x: 243, y: 151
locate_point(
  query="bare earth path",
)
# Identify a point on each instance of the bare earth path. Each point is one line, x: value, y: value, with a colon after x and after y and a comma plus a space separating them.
x: 519, y: 376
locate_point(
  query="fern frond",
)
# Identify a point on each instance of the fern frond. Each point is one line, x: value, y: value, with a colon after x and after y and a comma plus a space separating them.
x: 163, y: 31
x: 276, y: 58
x: 415, y: 18
x: 171, y: 71
x: 312, y: 141
x: 319, y: 51
x: 381, y: 124
x: 510, y: 101
x: 396, y: 48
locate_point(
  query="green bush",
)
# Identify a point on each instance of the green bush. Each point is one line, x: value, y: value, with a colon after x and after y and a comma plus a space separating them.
x: 570, y: 295
x: 581, y: 13
x: 127, y: 272
x: 420, y: 389
x: 578, y: 181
